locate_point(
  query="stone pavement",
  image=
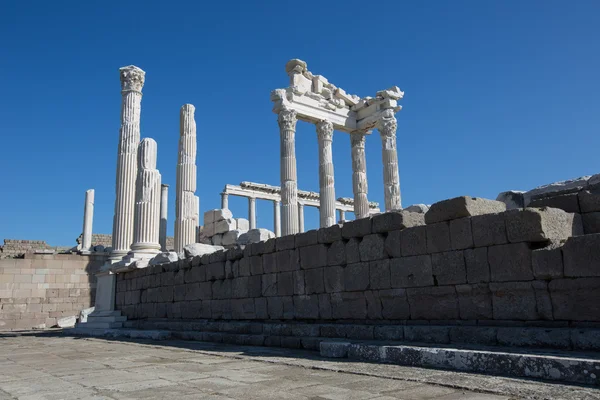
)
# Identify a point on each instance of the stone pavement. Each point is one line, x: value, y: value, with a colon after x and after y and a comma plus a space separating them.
x: 52, y: 366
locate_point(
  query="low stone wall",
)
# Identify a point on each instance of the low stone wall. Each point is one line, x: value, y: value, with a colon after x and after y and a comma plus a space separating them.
x: 17, y: 247
x: 512, y: 268
x: 37, y: 290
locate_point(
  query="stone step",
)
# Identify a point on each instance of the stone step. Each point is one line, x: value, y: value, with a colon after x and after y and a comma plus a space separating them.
x: 99, y: 325
x: 121, y: 318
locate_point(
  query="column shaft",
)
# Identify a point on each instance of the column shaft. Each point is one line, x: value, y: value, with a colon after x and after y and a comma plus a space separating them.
x: 326, y: 176
x: 224, y: 200
x: 252, y: 212
x: 277, y: 218
x: 289, y: 185
x: 88, y: 219
x: 391, y: 180
x: 342, y: 215
x: 300, y: 217
x: 164, y: 208
x: 359, y: 175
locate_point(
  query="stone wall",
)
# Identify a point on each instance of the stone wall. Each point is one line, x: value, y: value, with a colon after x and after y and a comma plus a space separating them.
x: 16, y: 248
x: 516, y: 268
x: 37, y: 290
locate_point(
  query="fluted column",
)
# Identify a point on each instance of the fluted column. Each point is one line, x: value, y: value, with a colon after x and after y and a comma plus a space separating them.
x: 391, y: 180
x: 289, y: 185
x: 326, y: 177
x: 224, y: 201
x: 88, y: 219
x: 252, y: 212
x: 342, y: 215
x: 359, y: 175
x: 300, y: 217
x: 132, y: 81
x: 164, y: 208
x: 147, y: 201
x: 186, y: 203
x: 277, y: 218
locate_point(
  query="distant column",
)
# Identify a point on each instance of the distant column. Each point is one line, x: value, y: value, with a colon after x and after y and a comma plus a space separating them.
x: 277, y: 218
x: 326, y: 176
x: 300, y: 217
x: 342, y: 215
x: 359, y: 175
x: 289, y: 185
x: 224, y: 200
x: 186, y: 206
x: 391, y: 180
x: 88, y: 219
x: 164, y: 207
x: 252, y: 212
x: 132, y: 81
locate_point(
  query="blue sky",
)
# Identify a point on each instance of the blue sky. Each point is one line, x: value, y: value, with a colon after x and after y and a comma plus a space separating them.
x: 498, y: 95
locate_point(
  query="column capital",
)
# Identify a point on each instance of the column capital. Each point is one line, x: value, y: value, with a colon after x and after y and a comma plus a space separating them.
x: 387, y: 124
x: 324, y: 130
x: 132, y: 79
x: 287, y: 119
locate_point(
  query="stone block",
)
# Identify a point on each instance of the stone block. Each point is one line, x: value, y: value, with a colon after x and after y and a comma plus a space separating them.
x: 514, y: 301
x: 460, y: 207
x: 357, y: 228
x: 534, y: 337
x: 230, y: 238
x: 280, y: 307
x: 392, y: 245
x: 473, y: 335
x: 476, y: 263
x: 474, y: 301
x: 512, y: 198
x: 389, y: 332
x: 325, y: 306
x: 589, y: 200
x: 372, y: 247
x: 449, y: 268
x: 334, y: 349
x: 411, y: 271
x: 288, y: 260
x: 379, y: 274
x: 575, y: 299
x: 225, y: 225
x: 307, y: 238
x: 256, y: 265
x: 542, y: 300
x: 255, y: 236
x: 566, y: 202
x: 510, y: 262
x: 164, y: 258
x: 269, y: 246
x: 314, y: 281
x: 299, y: 282
x: 427, y: 334
x: 585, y: 339
x: 255, y: 286
x: 438, y: 302
x: 260, y: 308
x: 413, y: 241
x: 333, y: 279
x: 239, y: 287
x: 215, y: 271
x: 488, y: 230
x: 461, y: 235
x: 373, y: 304
x: 336, y: 253
x: 538, y: 224
x: 581, y: 255
x: 243, y: 309
x: 243, y: 224
x: 199, y: 249
x: 352, y: 251
x: 394, y: 304
x: 547, y: 262
x: 348, y: 305
x: 330, y: 234
x: 438, y: 237
x: 285, y: 243
x: 195, y: 274
x: 314, y: 256
x: 269, y: 285
x: 591, y: 222
x: 269, y: 263
x: 396, y: 220
x: 217, y: 239
x: 356, y: 277
x: 221, y: 290
x: 306, y: 307
x: 285, y: 283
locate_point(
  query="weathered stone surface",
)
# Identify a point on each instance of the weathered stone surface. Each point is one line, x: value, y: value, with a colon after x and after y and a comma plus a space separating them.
x: 199, y: 249
x: 396, y: 220
x: 514, y: 301
x: 449, y: 268
x: 510, y: 262
x: 334, y: 279
x: 372, y: 247
x: 230, y: 238
x: 475, y: 301
x: 567, y: 202
x: 591, y: 222
x: 473, y: 335
x: 307, y: 238
x: 285, y: 283
x: 461, y: 236
x: 417, y: 208
x: 66, y: 322
x: 288, y: 260
x: 280, y: 307
x: 437, y: 302
x: 239, y: 287
x: 538, y: 224
x: 357, y: 228
x: 325, y: 311
x: 411, y: 271
x: 556, y: 188
x: 299, y: 284
x: 575, y: 299
x: 589, y: 200
x: 306, y: 307
x: 255, y: 236
x: 379, y: 273
x: 394, y: 304
x: 334, y: 349
x: 373, y: 304
x: 512, y: 198
x: 242, y: 224
x: 393, y: 244
x: 547, y: 262
x: 438, y: 237
x: 314, y: 282
x: 585, y: 339
x: 217, y: 215
x: 427, y: 334
x: 164, y: 258
x: 476, y: 263
x: 356, y: 276
x: 225, y: 225
x: 336, y: 253
x: 581, y: 256
x: 269, y: 263
x: 534, y: 337
x: 269, y: 245
x: 330, y: 234
x: 459, y: 207
x: 542, y: 300
x: 314, y: 256
x: 285, y: 242
x: 269, y: 285
x: 489, y: 230
x: 348, y: 305
x: 413, y: 241
x: 390, y: 332
x: 352, y: 251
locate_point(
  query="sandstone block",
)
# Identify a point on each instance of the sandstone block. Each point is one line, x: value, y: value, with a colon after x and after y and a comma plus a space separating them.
x: 538, y: 224
x: 489, y: 230
x: 357, y: 228
x: 411, y: 271
x: 591, y: 222
x: 307, y: 238
x: 199, y: 249
x: 581, y: 255
x: 514, y: 301
x: 336, y: 253
x: 474, y: 301
x: 512, y: 198
x: 510, y: 262
x: 461, y: 235
x: 575, y: 299
x: 396, y: 220
x: 313, y: 280
x: 437, y: 302
x: 306, y: 307
x: 379, y: 273
x: 589, y: 200
x: 476, y: 262
x: 330, y: 234
x: 314, y: 256
x: 413, y: 241
x: 333, y: 279
x: 566, y: 202
x: 449, y: 268
x: 438, y: 237
x: 242, y: 224
x: 352, y: 251
x: 547, y: 263
x: 372, y: 247
x: 459, y: 207
x: 356, y: 276
x: 394, y: 304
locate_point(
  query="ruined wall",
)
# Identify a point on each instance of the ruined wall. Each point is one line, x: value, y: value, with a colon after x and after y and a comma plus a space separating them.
x: 16, y: 248
x: 513, y: 268
x: 37, y: 290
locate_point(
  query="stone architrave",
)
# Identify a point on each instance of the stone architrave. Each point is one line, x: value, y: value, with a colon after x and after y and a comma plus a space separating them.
x: 326, y: 176
x: 300, y: 217
x: 132, y: 82
x: 277, y: 218
x: 252, y: 212
x: 164, y: 207
x: 359, y: 175
x: 88, y: 219
x: 391, y: 182
x: 186, y: 205
x: 224, y: 201
x: 289, y: 181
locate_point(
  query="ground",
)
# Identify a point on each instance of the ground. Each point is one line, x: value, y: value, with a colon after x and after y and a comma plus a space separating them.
x: 54, y: 366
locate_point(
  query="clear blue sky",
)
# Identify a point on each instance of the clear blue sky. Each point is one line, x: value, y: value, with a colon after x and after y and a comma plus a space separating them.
x: 498, y: 95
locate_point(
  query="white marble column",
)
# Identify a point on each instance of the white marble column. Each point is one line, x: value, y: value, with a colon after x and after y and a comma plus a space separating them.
x: 225, y: 201
x: 289, y: 185
x: 326, y: 176
x: 359, y: 175
x: 88, y: 219
x: 300, y: 217
x: 391, y: 181
x: 186, y: 204
x: 342, y: 215
x: 132, y: 81
x: 164, y: 208
x: 277, y: 218
x: 252, y: 212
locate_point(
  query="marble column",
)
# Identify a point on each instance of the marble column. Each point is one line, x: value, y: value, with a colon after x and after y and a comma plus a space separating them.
x: 225, y: 201
x: 391, y: 181
x: 164, y: 208
x: 300, y: 217
x: 359, y: 175
x: 132, y: 81
x: 186, y: 204
x: 289, y: 185
x: 326, y: 177
x: 277, y: 218
x: 88, y: 219
x: 342, y: 215
x: 252, y: 212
